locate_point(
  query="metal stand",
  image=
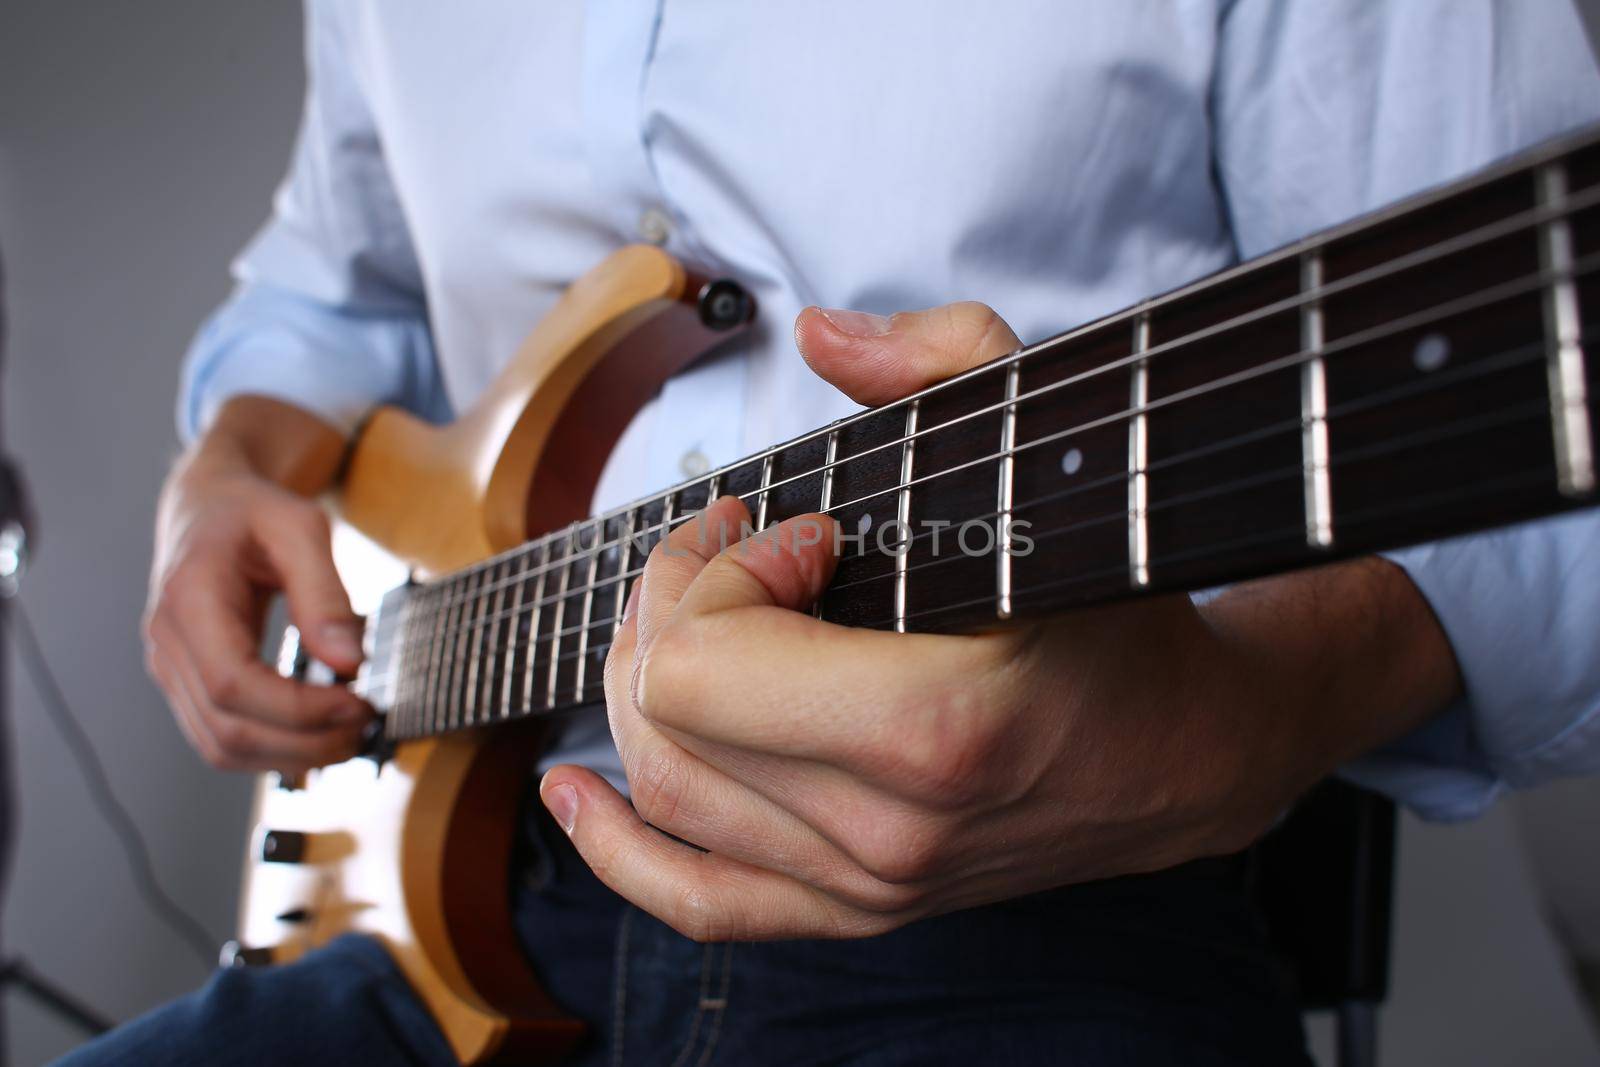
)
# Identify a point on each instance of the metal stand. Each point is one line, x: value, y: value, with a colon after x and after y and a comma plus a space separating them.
x: 1358, y: 1033
x: 15, y: 526
x: 17, y: 974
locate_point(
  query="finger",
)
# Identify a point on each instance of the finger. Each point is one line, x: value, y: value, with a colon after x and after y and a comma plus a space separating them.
x: 880, y: 691
x: 702, y: 895
x: 190, y: 721
x: 679, y: 558
x: 299, y: 549
x: 787, y: 566
x: 234, y: 742
x: 874, y: 360
x: 778, y: 570
x: 675, y: 791
x: 209, y: 612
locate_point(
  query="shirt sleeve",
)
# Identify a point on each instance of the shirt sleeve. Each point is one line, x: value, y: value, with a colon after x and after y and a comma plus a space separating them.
x: 1322, y: 111
x: 328, y: 311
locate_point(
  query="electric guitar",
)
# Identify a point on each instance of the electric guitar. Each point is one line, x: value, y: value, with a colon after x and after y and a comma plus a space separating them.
x: 1418, y: 373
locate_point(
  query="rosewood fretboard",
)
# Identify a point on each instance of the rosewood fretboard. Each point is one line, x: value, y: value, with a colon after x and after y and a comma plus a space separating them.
x: 1414, y: 374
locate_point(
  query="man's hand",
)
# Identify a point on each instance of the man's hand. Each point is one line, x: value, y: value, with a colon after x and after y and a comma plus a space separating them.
x: 235, y: 526
x: 843, y: 782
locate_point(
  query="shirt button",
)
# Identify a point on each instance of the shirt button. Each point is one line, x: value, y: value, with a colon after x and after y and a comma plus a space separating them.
x: 694, y: 463
x: 654, y: 226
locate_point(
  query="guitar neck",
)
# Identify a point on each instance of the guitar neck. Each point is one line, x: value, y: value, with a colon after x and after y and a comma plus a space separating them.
x: 1416, y: 374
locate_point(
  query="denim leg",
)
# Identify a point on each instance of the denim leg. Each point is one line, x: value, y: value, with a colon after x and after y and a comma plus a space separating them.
x: 1157, y: 970
x: 1152, y: 971
x: 344, y: 1004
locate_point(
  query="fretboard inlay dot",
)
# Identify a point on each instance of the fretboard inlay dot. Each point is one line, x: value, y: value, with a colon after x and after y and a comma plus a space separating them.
x: 1072, y: 462
x: 1431, y: 353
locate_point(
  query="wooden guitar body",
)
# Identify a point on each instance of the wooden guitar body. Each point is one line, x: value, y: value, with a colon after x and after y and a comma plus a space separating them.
x: 416, y: 852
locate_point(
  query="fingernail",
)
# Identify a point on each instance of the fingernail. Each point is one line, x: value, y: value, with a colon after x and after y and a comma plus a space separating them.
x: 562, y: 800
x: 856, y: 323
x: 342, y: 640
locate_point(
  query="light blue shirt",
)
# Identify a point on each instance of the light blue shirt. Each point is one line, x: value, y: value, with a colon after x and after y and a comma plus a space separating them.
x: 459, y: 165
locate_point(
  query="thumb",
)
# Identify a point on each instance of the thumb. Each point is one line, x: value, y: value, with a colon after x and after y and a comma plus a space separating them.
x: 874, y: 360
x: 301, y: 551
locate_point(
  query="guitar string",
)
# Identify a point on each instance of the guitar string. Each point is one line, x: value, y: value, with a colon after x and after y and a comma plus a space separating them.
x: 1535, y: 477
x: 1472, y: 301
x: 1513, y: 225
x: 1524, y: 355
x: 1530, y: 353
x: 1539, y: 409
x: 475, y: 630
x: 1504, y: 291
x: 1480, y: 368
x: 1518, y: 413
x: 571, y: 698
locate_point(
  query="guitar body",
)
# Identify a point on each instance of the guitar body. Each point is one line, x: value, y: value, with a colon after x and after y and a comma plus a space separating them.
x: 417, y: 852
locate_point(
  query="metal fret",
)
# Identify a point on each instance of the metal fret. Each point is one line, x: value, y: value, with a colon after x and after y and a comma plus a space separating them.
x: 1314, y: 409
x: 830, y: 457
x: 421, y: 648
x: 624, y: 560
x: 484, y: 696
x: 588, y: 611
x: 713, y: 487
x: 902, y: 558
x: 532, y: 655
x: 1569, y: 409
x: 667, y: 509
x: 454, y: 694
x: 433, y: 694
x: 478, y: 628
x: 1008, y: 441
x: 399, y: 667
x: 1138, y: 460
x: 419, y: 654
x: 513, y: 621
x: 825, y: 498
x: 761, y: 501
x: 558, y: 621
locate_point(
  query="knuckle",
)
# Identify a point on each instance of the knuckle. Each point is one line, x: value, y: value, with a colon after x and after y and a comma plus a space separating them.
x: 224, y: 686
x: 658, y: 787
x: 878, y: 897
x: 219, y: 760
x: 899, y: 852
x: 899, y: 863
x: 696, y: 915
x: 952, y: 757
x: 665, y: 675
x: 233, y: 738
x: 618, y: 669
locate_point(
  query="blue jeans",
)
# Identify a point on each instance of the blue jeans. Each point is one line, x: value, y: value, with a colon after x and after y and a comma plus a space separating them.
x: 1159, y: 969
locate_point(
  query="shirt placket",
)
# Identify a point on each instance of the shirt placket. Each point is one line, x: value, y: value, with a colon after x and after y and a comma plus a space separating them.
x: 701, y: 411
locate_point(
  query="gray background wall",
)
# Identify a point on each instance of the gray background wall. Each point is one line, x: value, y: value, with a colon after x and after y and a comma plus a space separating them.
x: 139, y: 143
x: 138, y: 146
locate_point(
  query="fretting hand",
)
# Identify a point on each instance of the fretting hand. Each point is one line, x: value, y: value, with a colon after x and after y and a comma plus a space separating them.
x: 844, y: 782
